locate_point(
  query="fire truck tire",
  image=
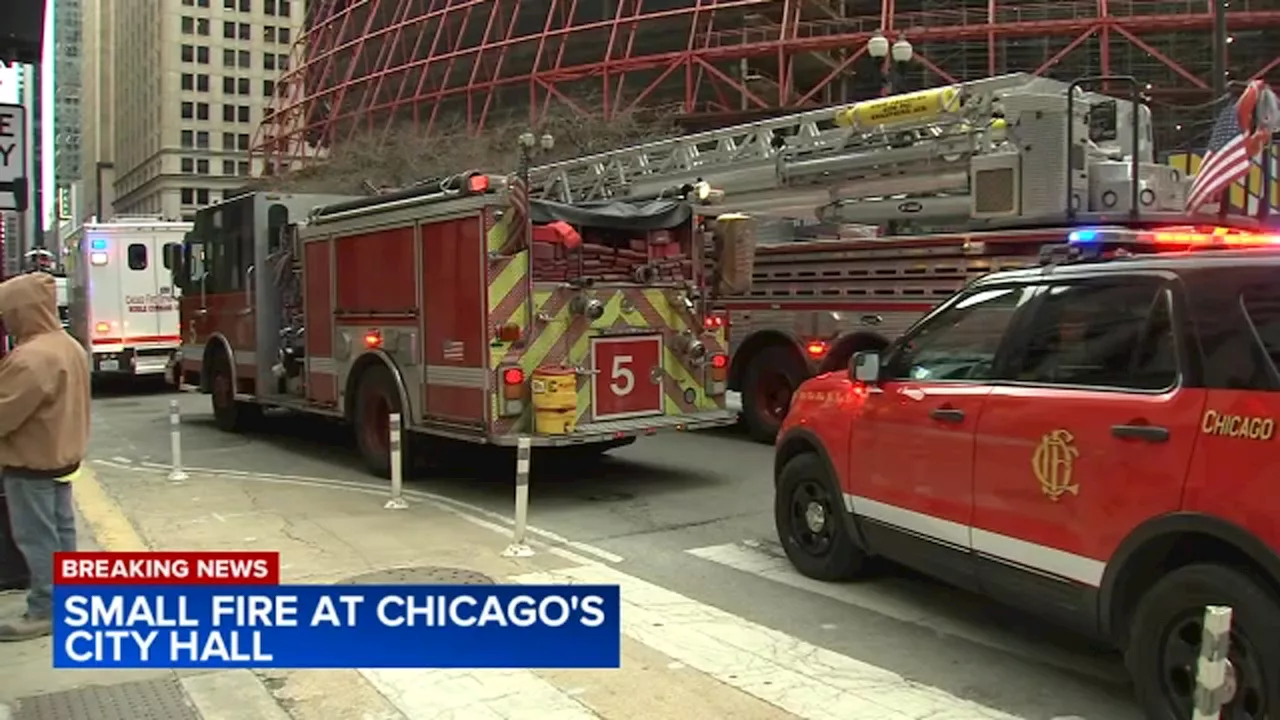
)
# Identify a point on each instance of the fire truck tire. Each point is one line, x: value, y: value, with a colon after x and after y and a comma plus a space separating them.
x: 1164, y: 642
x: 376, y: 399
x: 812, y: 528
x: 770, y: 379
x: 229, y: 414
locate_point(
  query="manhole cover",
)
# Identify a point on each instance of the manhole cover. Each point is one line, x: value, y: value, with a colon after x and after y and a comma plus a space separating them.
x: 421, y: 576
x: 160, y: 699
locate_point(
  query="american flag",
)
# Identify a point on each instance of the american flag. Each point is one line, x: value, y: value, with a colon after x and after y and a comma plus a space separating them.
x: 1236, y: 138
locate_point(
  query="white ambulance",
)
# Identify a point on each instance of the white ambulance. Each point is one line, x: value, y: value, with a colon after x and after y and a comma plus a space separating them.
x: 123, y: 307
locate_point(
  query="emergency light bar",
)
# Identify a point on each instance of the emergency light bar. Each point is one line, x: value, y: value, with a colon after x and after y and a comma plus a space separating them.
x: 1171, y: 238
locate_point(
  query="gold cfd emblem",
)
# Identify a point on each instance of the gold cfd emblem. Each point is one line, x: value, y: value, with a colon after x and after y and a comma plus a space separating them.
x: 1053, y: 463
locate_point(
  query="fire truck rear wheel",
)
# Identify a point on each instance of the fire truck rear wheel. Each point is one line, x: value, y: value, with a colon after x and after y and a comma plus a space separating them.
x: 771, y: 378
x: 1164, y: 642
x: 376, y: 399
x: 229, y: 414
x: 812, y: 527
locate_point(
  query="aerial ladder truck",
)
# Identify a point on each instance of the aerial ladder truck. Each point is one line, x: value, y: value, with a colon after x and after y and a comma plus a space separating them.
x: 867, y: 216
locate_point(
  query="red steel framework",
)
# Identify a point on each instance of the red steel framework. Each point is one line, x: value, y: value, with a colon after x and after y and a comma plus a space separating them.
x: 367, y: 66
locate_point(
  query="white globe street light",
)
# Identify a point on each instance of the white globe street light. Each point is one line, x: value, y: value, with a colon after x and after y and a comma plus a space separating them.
x: 528, y: 140
x: 547, y: 141
x: 878, y: 46
x: 902, y: 51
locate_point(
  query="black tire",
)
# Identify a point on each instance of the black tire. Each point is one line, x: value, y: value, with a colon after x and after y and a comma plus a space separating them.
x: 825, y: 550
x: 376, y: 399
x: 1164, y: 638
x: 229, y: 414
x: 767, y: 385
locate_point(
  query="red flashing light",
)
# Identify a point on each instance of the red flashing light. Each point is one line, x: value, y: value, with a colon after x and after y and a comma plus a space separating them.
x: 478, y: 183
x: 513, y: 376
x: 713, y: 322
x: 373, y: 339
x: 719, y: 362
x: 1211, y: 237
x: 816, y: 348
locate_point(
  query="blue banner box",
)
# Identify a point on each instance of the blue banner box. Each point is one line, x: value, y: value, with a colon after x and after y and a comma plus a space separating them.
x: 349, y: 626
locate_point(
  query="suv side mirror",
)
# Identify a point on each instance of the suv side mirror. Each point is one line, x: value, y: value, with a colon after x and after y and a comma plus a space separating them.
x: 864, y: 366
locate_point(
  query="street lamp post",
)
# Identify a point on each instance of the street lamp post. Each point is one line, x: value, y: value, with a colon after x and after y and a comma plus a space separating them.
x: 898, y: 55
x: 530, y: 145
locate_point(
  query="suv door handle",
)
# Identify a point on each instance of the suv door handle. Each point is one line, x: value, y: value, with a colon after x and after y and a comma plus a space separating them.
x: 1148, y: 433
x: 946, y: 414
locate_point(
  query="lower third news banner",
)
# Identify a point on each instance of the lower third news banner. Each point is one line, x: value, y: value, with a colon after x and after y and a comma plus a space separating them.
x: 227, y: 610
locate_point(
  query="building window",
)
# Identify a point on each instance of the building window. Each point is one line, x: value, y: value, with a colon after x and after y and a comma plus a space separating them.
x: 242, y: 114
x: 202, y: 196
x: 242, y: 86
x: 228, y: 86
x: 246, y: 33
x: 282, y: 9
x: 188, y: 3
x: 188, y: 53
x: 202, y: 27
x: 283, y: 35
x: 228, y: 167
x: 188, y: 138
x: 228, y: 30
x: 242, y: 168
x: 188, y: 196
x: 188, y: 81
x: 242, y: 141
x: 188, y: 25
x: 246, y: 6
x: 202, y: 111
x: 229, y: 58
x: 202, y: 3
x: 202, y: 55
x: 202, y: 83
x: 245, y: 59
x: 188, y: 166
x: 228, y: 141
x: 282, y: 62
x: 202, y: 139
x: 269, y: 34
x: 228, y: 4
x: 268, y: 61
x: 202, y: 167
x: 188, y: 110
x: 228, y: 113
x: 269, y: 7
x: 268, y: 88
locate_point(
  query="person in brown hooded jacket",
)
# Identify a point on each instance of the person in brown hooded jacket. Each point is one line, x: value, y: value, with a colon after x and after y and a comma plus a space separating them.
x: 44, y: 434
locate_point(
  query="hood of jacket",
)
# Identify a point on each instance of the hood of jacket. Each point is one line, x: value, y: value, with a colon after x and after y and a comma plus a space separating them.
x: 29, y: 305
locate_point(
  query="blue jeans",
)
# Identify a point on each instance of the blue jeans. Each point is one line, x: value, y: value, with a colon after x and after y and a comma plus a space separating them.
x: 43, y: 521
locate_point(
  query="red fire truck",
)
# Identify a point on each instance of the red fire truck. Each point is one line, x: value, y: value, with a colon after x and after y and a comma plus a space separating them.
x: 870, y: 216
x: 476, y: 314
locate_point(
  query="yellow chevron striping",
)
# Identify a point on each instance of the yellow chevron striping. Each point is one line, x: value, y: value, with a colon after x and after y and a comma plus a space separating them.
x: 662, y: 304
x: 498, y: 234
x: 508, y: 280
x: 1241, y: 192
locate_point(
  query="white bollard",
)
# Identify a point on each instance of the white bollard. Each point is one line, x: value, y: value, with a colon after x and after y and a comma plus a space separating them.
x: 1215, y: 678
x: 518, y: 547
x: 397, y: 501
x: 176, y: 473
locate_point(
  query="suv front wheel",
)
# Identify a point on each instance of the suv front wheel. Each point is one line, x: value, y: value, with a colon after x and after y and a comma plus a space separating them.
x: 810, y: 518
x: 1165, y: 637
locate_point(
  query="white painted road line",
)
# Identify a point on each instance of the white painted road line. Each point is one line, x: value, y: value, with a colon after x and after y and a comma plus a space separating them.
x: 891, y: 599
x: 475, y: 695
x: 804, y: 679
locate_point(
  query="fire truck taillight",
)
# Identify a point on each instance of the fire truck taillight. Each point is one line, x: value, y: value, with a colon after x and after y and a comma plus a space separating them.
x: 102, y: 328
x: 478, y: 183
x: 717, y: 374
x: 713, y: 322
x: 815, y: 348
x: 508, y: 333
x: 511, y: 401
x: 373, y: 339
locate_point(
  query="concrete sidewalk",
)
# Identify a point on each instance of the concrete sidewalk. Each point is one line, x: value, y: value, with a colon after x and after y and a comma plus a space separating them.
x: 331, y: 532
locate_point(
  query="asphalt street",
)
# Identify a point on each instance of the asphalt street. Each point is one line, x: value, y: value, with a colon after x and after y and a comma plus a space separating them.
x: 692, y: 513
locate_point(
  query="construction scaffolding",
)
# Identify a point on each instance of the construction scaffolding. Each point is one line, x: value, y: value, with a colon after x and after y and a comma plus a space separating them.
x: 367, y: 67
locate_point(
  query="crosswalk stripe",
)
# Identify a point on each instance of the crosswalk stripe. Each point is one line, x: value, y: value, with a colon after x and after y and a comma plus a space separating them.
x: 891, y: 599
x: 475, y: 695
x: 806, y: 680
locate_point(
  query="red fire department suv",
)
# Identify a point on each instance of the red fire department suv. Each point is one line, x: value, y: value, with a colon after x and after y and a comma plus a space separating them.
x: 1092, y: 440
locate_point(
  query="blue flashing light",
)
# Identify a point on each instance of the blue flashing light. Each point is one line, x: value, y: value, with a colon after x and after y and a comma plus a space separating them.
x: 1082, y: 236
x: 98, y: 245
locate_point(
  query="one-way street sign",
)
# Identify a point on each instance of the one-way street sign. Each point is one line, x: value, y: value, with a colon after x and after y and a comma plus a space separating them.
x: 13, y: 158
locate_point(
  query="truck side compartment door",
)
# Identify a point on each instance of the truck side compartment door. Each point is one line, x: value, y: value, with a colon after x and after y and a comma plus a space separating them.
x: 1090, y: 437
x: 914, y: 489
